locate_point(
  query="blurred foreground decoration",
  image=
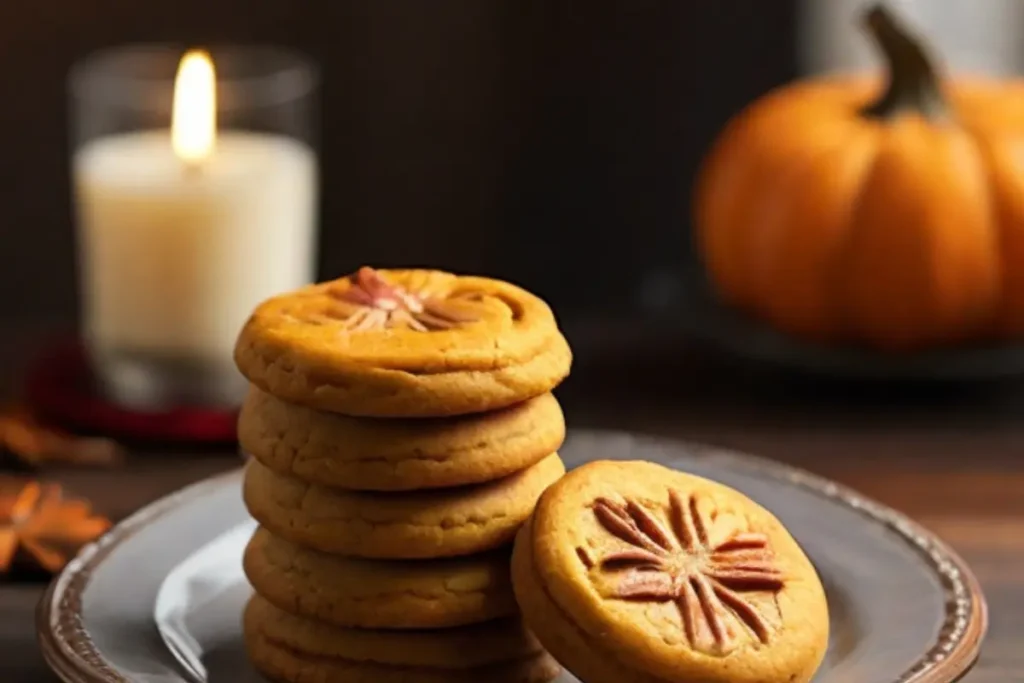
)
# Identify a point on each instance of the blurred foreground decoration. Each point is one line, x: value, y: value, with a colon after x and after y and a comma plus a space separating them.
x: 42, y: 529
x: 26, y: 442
x: 850, y: 212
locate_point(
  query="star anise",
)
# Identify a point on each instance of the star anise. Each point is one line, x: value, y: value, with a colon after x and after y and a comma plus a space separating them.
x: 692, y: 566
x: 40, y: 524
x: 371, y: 302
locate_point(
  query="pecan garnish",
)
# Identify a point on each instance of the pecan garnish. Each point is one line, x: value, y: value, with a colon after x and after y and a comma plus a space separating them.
x: 373, y: 303
x: 704, y: 577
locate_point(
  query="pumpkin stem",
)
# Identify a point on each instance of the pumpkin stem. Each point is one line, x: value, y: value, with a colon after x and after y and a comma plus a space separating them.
x: 914, y: 83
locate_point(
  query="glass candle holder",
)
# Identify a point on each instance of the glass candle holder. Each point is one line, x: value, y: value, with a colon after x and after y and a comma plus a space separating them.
x: 196, y: 189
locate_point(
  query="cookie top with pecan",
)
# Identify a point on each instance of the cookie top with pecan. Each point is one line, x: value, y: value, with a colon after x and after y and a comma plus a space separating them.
x: 404, y: 343
x: 679, y: 577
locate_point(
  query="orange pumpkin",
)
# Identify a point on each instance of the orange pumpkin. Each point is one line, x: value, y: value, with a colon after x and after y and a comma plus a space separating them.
x: 886, y: 214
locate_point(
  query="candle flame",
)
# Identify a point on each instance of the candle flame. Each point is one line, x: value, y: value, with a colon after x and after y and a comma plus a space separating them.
x: 194, y: 117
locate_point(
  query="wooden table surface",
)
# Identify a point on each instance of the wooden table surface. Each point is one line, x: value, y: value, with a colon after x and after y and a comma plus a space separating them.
x: 952, y: 457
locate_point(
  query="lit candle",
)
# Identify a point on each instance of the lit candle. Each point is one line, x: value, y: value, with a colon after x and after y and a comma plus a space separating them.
x: 185, y: 231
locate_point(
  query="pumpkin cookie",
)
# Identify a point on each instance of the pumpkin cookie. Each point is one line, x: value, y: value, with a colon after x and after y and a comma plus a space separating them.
x: 398, y: 454
x: 404, y: 343
x: 629, y: 571
x: 380, y: 593
x: 291, y: 649
x: 421, y: 524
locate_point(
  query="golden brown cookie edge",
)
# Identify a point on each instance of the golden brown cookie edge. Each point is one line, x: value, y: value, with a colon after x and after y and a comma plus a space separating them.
x: 400, y: 611
x: 464, y: 539
x: 361, y: 391
x: 436, y: 453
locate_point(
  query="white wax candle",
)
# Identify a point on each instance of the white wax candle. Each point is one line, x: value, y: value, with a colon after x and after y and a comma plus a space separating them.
x: 175, y: 258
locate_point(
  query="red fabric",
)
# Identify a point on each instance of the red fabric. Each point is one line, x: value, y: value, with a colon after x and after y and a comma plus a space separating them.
x: 59, y: 389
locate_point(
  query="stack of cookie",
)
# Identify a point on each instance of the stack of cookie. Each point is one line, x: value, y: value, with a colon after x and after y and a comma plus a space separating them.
x: 401, y: 427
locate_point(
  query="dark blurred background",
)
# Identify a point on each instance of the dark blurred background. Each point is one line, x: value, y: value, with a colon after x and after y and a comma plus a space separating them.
x: 551, y: 142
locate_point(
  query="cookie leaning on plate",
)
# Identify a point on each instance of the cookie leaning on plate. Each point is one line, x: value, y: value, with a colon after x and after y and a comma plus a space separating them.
x: 629, y: 571
x: 404, y: 343
x: 398, y: 454
x: 406, y: 525
x: 389, y: 594
x: 289, y: 648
